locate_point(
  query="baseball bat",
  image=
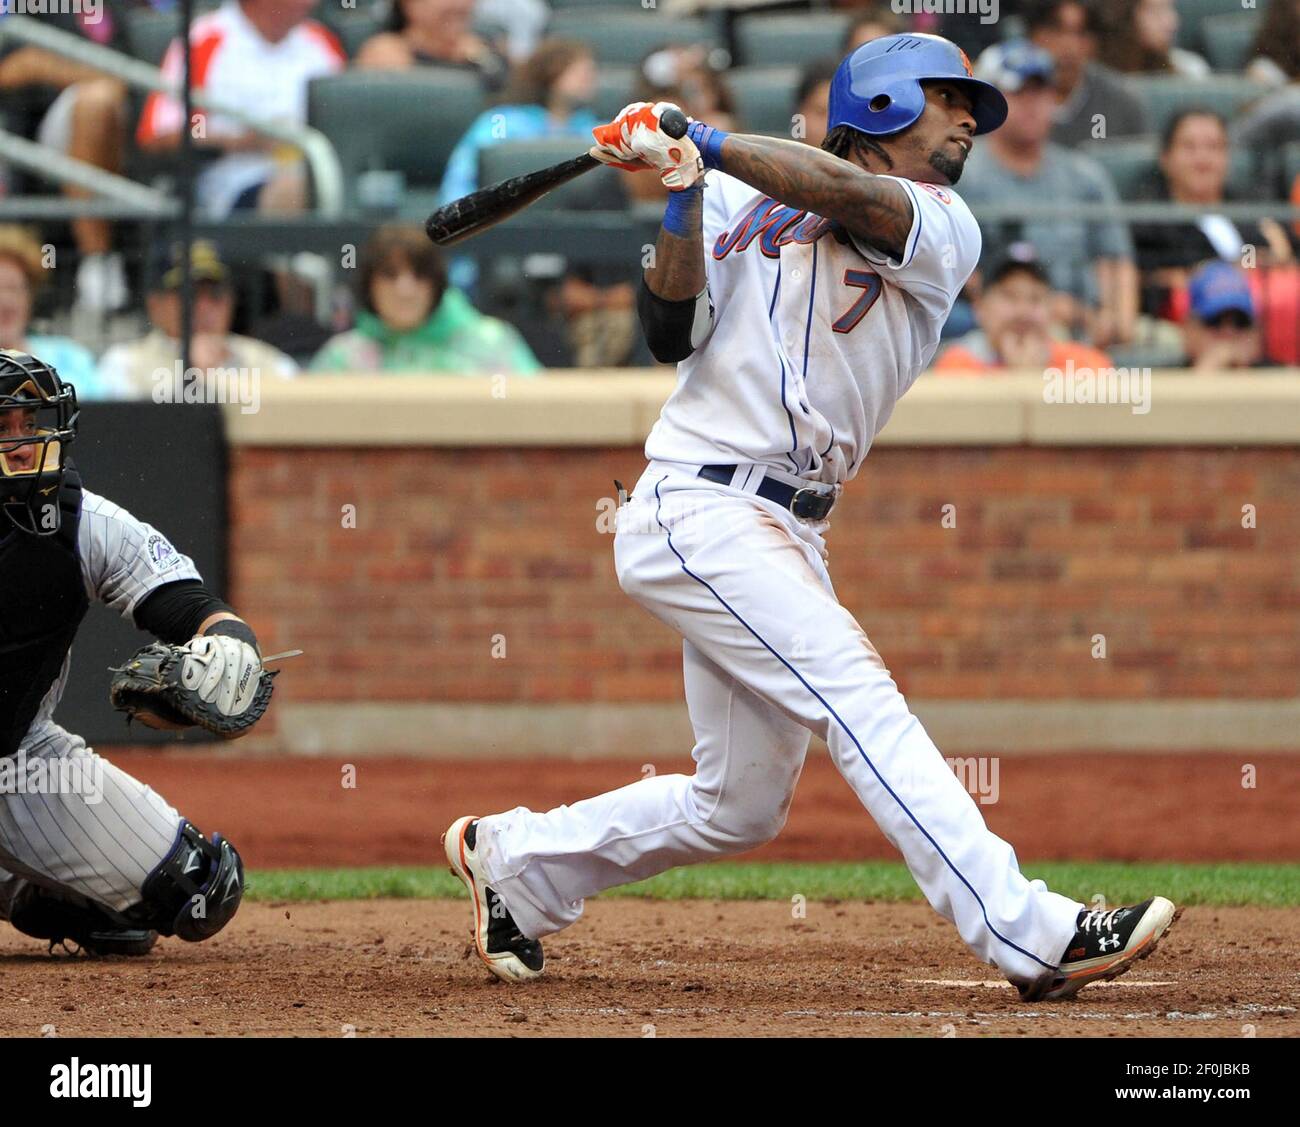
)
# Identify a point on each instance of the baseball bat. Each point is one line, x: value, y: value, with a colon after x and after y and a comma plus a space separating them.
x: 467, y: 216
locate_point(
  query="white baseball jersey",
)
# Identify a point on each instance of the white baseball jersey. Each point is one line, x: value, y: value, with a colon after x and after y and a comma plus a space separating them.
x: 815, y: 335
x: 69, y: 818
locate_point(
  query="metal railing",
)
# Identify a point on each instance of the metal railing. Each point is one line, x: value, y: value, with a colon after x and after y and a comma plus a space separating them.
x: 123, y: 197
x: 317, y: 150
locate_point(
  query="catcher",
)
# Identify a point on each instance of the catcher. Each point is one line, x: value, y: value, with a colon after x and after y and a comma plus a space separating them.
x: 110, y: 866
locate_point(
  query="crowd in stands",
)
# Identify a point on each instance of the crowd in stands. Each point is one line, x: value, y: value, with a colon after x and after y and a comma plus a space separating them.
x: 1111, y: 102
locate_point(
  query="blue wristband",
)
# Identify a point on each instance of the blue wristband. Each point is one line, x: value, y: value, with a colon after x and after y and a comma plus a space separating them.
x: 678, y: 217
x: 709, y: 141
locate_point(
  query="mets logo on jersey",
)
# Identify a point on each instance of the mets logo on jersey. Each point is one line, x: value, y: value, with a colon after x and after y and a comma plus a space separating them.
x: 774, y: 225
x: 934, y: 190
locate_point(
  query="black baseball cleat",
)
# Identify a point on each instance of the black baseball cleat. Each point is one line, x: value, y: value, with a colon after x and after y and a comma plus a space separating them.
x: 1106, y: 944
x: 508, y: 953
x: 37, y: 912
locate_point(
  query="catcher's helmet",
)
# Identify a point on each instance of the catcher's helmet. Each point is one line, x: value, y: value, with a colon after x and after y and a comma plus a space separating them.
x: 877, y: 89
x: 38, y: 421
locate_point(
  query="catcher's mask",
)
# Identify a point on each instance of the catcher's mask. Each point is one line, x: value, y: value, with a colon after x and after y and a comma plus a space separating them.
x: 38, y: 421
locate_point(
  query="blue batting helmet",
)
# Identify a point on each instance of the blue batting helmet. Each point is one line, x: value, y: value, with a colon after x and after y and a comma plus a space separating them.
x: 877, y: 89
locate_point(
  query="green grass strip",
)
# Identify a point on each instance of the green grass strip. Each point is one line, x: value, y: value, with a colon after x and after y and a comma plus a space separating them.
x: 1119, y: 882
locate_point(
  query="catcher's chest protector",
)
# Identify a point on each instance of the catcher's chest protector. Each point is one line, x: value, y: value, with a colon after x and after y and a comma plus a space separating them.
x: 42, y: 602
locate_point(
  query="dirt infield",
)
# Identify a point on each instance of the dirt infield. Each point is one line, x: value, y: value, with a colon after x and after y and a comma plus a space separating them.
x: 298, y: 812
x: 639, y: 968
x: 696, y: 968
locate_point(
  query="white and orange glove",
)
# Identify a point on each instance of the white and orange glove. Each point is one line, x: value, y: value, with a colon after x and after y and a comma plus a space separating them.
x: 634, y: 142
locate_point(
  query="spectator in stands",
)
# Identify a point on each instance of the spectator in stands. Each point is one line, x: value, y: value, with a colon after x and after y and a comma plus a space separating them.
x: 519, y: 25
x: 547, y: 97
x: 1275, y: 56
x: 1138, y: 38
x: 412, y: 321
x: 137, y: 367
x: 1092, y: 102
x: 81, y: 112
x: 1014, y: 314
x: 258, y: 55
x: 1220, y: 331
x: 964, y: 24
x: 433, y: 33
x: 22, y: 273
x: 872, y: 23
x: 1194, y: 162
x: 1090, y: 263
x: 812, y: 101
x: 680, y: 74
x: 684, y: 75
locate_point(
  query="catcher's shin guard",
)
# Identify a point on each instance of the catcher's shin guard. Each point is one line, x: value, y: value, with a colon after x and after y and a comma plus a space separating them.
x: 196, y: 890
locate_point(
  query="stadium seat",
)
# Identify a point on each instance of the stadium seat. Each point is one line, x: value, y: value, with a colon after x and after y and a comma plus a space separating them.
x: 1164, y: 95
x: 1228, y: 40
x: 790, y: 40
x: 148, y: 33
x: 1132, y: 163
x: 1154, y: 356
x: 352, y: 27
x: 1245, y: 181
x: 407, y: 121
x: 1290, y: 160
x: 614, y: 89
x: 1192, y: 15
x: 764, y: 98
x: 620, y: 36
x: 596, y: 191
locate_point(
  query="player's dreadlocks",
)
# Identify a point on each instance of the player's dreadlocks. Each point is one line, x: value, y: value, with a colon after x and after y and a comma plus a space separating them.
x: 843, y: 140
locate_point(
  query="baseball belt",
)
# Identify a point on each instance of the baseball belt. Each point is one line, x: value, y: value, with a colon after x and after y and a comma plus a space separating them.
x: 805, y: 503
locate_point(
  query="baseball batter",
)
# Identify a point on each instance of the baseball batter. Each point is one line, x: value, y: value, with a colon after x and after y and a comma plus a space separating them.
x: 88, y: 855
x: 801, y: 292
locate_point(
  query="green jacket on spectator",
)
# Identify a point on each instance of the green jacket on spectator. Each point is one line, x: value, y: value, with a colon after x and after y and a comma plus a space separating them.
x: 456, y: 340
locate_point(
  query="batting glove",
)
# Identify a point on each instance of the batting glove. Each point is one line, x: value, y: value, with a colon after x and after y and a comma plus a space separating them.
x: 612, y: 145
x: 634, y: 141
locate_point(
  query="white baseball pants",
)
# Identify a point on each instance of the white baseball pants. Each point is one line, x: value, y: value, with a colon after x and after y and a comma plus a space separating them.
x: 770, y: 656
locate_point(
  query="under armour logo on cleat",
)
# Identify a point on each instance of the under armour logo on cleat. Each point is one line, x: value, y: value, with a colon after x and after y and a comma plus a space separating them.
x: 1113, y: 940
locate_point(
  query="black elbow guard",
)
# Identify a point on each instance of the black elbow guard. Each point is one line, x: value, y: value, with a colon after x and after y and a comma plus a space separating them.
x: 673, y: 329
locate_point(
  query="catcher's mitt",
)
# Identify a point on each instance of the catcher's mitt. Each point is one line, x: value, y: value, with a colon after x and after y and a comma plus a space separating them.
x: 214, y: 682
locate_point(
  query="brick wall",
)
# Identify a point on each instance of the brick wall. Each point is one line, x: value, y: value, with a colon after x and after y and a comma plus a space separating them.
x: 1051, y: 546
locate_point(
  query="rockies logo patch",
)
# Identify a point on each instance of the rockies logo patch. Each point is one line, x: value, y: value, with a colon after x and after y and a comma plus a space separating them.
x: 159, y: 554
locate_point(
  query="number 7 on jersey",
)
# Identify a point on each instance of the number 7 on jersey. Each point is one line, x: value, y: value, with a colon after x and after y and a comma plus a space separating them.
x: 869, y: 284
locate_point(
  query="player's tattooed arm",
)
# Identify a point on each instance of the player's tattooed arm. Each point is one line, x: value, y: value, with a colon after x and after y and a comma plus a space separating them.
x: 676, y: 271
x: 673, y: 301
x: 875, y: 209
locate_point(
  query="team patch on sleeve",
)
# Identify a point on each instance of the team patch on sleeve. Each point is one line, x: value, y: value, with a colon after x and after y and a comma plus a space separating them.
x: 159, y: 554
x: 934, y: 190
